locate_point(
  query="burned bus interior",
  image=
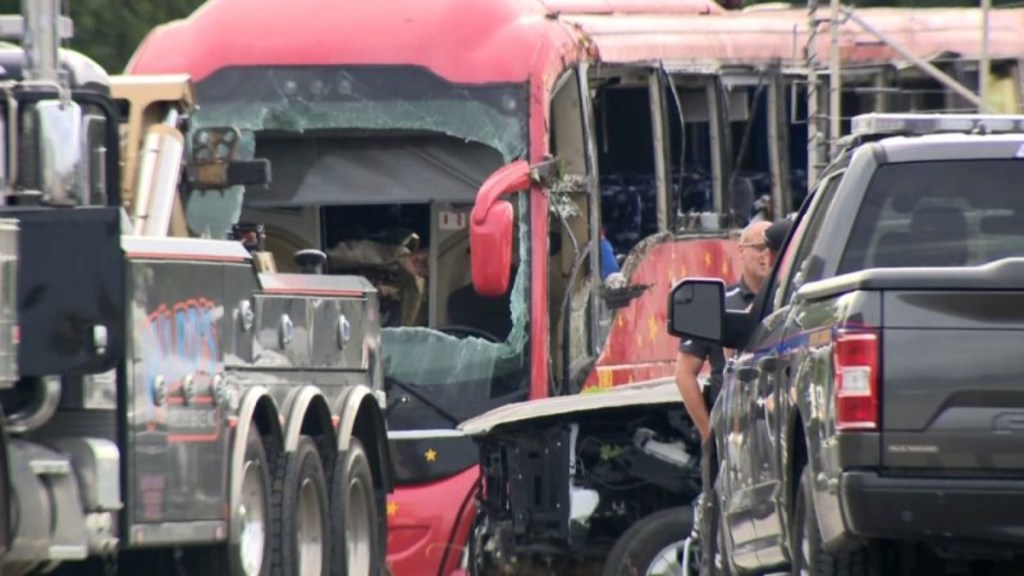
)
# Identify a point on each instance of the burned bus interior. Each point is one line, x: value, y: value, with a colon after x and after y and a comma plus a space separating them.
x: 560, y: 490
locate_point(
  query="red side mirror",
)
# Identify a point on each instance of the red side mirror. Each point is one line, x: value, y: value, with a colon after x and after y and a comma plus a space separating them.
x: 490, y: 229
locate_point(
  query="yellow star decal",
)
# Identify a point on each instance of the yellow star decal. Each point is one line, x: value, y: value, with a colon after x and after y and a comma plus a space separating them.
x: 620, y: 320
x: 392, y: 508
x: 707, y: 258
x: 682, y: 271
x: 652, y: 328
x: 430, y: 455
x: 725, y: 268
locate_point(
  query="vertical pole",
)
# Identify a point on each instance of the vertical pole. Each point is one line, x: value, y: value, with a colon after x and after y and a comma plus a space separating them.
x: 661, y: 171
x: 983, y: 72
x: 778, y: 144
x: 813, y: 114
x: 835, y: 79
x: 41, y: 40
x: 719, y: 171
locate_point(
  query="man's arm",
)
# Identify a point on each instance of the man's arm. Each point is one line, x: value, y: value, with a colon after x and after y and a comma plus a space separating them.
x: 687, y: 368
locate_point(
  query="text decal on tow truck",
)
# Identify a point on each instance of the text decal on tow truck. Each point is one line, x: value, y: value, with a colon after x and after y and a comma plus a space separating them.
x: 180, y: 353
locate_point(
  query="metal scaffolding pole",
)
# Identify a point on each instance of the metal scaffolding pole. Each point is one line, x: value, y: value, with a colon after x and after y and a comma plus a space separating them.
x: 983, y: 72
x: 921, y: 63
x: 814, y: 138
x: 835, y: 79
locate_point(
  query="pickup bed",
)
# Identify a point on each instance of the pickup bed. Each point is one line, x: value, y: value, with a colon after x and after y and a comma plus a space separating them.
x: 874, y: 418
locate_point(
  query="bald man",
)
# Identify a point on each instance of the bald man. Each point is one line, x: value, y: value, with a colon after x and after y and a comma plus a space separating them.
x: 692, y: 353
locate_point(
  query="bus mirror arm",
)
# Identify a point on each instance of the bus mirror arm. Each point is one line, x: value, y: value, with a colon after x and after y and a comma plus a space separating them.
x: 491, y: 223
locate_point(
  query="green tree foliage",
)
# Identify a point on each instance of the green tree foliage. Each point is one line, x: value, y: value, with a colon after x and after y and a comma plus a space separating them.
x: 109, y: 30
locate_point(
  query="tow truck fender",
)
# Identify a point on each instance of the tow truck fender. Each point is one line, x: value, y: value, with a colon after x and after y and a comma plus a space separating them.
x: 361, y: 402
x: 246, y: 414
x: 301, y: 400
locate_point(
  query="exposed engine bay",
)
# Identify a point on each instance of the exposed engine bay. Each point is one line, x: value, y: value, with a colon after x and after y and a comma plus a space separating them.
x: 558, y: 492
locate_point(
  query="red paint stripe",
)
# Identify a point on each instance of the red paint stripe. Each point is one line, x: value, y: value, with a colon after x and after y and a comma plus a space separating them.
x: 212, y: 437
x: 186, y: 257
x: 203, y: 400
x: 313, y: 292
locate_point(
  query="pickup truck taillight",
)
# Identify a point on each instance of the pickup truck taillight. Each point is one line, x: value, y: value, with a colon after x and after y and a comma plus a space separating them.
x: 855, y: 357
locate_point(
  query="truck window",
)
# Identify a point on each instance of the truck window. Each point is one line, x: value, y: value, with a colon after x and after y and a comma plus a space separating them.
x: 945, y: 213
x: 796, y: 268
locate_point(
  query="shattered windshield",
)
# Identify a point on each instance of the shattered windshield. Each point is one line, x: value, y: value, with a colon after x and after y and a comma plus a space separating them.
x: 379, y: 167
x: 470, y: 369
x: 373, y: 100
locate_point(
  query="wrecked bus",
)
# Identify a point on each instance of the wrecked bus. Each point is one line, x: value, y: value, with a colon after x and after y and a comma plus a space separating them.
x: 387, y: 123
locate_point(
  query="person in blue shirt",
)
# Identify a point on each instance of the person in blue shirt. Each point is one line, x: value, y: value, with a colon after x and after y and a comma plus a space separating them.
x: 609, y: 265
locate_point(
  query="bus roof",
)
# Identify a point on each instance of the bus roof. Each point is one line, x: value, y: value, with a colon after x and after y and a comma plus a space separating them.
x: 463, y: 41
x: 758, y: 36
x: 497, y: 41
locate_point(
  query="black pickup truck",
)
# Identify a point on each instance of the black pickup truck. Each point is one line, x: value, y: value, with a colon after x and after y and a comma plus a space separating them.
x: 873, y: 419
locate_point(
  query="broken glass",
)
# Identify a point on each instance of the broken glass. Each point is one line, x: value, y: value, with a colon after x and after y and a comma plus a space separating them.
x: 382, y: 136
x: 463, y: 375
x: 370, y: 101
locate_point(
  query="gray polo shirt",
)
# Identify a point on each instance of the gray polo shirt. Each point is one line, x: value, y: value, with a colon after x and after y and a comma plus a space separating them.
x: 737, y: 297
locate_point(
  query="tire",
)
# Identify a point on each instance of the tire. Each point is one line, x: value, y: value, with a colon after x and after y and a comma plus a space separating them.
x: 301, y: 506
x: 713, y: 561
x: 651, y: 545
x: 357, y: 545
x: 808, y: 551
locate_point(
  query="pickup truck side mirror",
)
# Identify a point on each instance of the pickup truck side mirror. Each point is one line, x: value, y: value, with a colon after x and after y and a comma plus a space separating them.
x: 696, y: 309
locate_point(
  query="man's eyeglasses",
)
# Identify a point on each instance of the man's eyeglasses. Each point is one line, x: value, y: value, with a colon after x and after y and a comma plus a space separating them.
x: 759, y: 246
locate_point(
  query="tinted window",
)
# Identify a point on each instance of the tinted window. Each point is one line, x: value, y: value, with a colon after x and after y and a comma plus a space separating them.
x: 954, y: 213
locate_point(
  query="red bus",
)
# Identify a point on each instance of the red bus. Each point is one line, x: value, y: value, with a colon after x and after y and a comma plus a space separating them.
x: 669, y: 124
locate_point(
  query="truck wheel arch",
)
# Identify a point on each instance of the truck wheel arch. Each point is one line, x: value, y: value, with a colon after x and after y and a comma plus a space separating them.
x: 257, y: 409
x: 362, y: 417
x: 308, y: 414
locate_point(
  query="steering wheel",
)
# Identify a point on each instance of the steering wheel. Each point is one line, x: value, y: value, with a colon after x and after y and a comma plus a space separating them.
x: 460, y: 331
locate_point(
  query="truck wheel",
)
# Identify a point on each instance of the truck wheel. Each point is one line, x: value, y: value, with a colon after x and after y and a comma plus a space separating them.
x: 251, y: 557
x: 809, y: 555
x: 300, y: 498
x: 652, y: 546
x: 355, y: 543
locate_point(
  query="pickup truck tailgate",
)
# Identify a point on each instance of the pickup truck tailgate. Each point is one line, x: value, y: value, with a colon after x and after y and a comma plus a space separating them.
x: 953, y: 381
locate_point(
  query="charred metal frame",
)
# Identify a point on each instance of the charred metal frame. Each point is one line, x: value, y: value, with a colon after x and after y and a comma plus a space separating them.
x: 660, y: 130
x: 593, y: 203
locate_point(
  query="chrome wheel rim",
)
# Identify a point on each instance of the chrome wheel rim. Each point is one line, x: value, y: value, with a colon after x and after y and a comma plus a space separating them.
x: 254, y: 514
x: 357, y: 529
x: 310, y: 533
x: 668, y: 561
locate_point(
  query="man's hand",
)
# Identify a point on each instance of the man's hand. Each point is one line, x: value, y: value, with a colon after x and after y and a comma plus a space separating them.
x: 687, y: 369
